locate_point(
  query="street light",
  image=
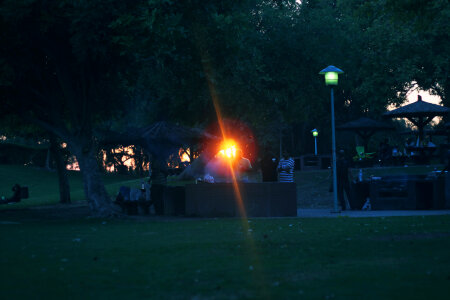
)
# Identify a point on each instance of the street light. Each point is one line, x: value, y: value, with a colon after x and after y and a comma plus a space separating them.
x: 315, y: 133
x: 331, y: 78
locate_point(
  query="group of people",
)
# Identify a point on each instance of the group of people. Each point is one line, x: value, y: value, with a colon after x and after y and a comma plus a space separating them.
x: 219, y: 169
x: 392, y: 154
x: 273, y: 170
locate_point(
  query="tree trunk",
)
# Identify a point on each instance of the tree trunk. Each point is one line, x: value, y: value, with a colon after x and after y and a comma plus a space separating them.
x: 63, y: 179
x: 94, y: 189
x: 47, y: 159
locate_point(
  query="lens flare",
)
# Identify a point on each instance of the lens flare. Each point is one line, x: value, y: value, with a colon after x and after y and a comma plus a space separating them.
x: 259, y: 275
x: 228, y: 149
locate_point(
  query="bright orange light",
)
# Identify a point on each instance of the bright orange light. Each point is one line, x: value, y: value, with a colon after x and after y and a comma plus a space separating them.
x: 184, y: 155
x: 228, y: 149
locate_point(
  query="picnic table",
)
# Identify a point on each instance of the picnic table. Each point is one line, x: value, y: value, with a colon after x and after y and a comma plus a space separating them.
x: 421, y: 154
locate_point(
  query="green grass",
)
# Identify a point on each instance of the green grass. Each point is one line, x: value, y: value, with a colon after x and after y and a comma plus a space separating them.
x: 43, y: 185
x: 340, y: 258
x: 169, y: 258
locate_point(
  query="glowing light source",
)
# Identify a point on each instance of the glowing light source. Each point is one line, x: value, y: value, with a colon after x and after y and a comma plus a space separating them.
x: 228, y: 149
x: 331, y: 75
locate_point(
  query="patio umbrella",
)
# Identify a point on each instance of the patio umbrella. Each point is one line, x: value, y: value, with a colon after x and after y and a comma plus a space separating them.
x: 365, y: 128
x: 420, y: 113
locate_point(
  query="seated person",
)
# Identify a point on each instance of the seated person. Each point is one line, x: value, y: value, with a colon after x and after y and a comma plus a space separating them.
x: 218, y: 169
x: 243, y: 166
x: 15, y: 197
x: 223, y: 168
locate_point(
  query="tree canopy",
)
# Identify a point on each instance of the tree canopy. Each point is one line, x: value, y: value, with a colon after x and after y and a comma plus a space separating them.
x: 74, y: 67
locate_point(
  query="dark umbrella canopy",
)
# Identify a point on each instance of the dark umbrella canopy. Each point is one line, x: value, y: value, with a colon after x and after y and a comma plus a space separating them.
x: 365, y: 128
x: 419, y: 108
x: 173, y: 133
x: 420, y: 113
x: 365, y: 124
x: 162, y: 137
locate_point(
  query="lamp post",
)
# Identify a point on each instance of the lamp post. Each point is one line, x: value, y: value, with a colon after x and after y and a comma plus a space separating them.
x: 315, y: 133
x: 331, y: 78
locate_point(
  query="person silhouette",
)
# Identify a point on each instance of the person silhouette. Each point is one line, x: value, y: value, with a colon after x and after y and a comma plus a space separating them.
x: 343, y: 178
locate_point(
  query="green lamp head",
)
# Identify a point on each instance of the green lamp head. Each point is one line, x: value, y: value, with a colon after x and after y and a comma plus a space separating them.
x: 315, y: 133
x: 331, y: 75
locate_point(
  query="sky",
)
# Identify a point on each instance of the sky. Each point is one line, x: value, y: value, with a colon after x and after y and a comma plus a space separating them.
x: 412, y: 97
x: 426, y: 96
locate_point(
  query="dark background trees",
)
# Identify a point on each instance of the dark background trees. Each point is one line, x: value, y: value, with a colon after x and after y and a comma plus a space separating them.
x: 65, y: 74
x: 75, y: 68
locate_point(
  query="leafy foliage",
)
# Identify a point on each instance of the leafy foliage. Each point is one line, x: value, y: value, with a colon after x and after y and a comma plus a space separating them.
x: 73, y: 67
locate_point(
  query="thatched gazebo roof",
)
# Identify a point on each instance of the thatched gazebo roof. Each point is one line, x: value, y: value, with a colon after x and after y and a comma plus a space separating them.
x: 178, y: 134
x: 365, y: 128
x: 160, y: 138
x: 420, y: 113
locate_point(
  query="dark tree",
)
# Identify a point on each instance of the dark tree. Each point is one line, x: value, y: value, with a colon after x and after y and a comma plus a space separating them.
x: 61, y: 70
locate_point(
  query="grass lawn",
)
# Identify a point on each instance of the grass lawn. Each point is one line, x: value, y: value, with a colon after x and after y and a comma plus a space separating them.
x: 286, y: 258
x: 43, y: 185
x: 73, y: 257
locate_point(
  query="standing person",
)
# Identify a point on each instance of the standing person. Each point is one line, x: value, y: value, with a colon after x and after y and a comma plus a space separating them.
x: 159, y: 181
x: 269, y: 167
x: 286, y: 168
x: 243, y: 166
x: 343, y: 178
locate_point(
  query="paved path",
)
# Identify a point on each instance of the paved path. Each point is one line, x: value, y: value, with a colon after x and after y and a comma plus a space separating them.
x: 321, y: 213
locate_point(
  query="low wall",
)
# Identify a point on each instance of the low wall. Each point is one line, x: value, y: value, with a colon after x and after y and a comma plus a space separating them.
x: 265, y: 199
